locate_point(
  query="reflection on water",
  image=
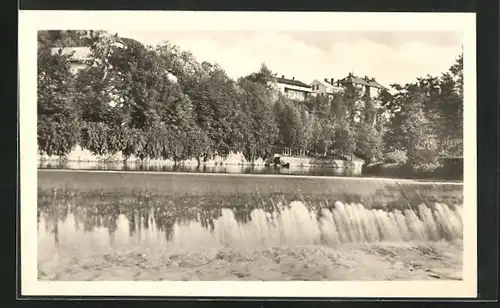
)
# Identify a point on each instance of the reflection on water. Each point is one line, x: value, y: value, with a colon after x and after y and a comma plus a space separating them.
x: 239, y: 169
x: 66, y: 227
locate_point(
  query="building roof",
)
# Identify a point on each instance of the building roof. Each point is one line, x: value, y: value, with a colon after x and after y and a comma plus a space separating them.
x: 292, y: 82
x: 129, y: 41
x: 324, y: 83
x: 361, y: 81
x: 329, y: 87
x: 375, y: 84
x: 353, y: 79
x: 79, y: 53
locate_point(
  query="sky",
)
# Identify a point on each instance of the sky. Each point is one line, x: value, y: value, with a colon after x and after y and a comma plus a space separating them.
x: 390, y: 57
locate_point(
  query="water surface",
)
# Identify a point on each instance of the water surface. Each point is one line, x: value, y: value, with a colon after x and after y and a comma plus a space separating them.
x: 141, y: 226
x: 91, y: 223
x: 236, y: 169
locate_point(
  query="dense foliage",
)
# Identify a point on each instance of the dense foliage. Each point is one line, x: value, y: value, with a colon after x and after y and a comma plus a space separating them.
x: 160, y: 102
x: 58, y: 119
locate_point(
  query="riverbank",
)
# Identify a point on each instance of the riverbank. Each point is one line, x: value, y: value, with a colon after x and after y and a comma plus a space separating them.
x: 450, y: 169
x: 236, y: 163
x: 82, y: 155
x: 79, y: 155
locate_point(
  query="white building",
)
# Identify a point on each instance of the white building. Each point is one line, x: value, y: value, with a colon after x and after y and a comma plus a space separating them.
x: 367, y: 85
x: 79, y: 56
x: 325, y: 87
x: 292, y: 88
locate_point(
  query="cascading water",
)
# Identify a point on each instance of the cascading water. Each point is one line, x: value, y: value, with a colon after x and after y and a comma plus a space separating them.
x: 295, y: 224
x: 292, y: 224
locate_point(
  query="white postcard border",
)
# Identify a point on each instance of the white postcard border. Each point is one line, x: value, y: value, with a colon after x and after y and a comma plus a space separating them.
x: 32, y: 21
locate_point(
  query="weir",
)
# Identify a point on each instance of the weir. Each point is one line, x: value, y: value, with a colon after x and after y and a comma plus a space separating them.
x: 80, y: 231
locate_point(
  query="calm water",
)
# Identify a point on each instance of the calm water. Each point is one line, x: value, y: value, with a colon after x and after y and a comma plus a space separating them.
x: 238, y: 169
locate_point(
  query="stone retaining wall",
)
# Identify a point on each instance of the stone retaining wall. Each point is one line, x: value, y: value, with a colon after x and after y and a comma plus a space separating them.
x: 322, y: 162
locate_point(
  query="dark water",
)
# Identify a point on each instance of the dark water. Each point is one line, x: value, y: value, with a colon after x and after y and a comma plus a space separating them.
x: 237, y: 169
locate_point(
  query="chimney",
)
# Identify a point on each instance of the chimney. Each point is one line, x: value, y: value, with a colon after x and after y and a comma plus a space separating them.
x: 331, y: 81
x: 326, y: 79
x: 293, y: 78
x: 350, y: 74
x: 366, y: 78
x: 283, y: 76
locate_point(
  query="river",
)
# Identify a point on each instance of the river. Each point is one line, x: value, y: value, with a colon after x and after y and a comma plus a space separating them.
x: 98, y: 225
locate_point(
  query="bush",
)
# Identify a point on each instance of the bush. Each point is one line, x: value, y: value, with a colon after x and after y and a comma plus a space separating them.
x: 396, y: 157
x: 424, y: 156
x: 426, y: 166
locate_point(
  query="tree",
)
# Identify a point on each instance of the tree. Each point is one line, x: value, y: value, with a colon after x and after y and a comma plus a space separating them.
x: 352, y: 102
x: 344, y: 142
x: 410, y: 129
x: 264, y: 76
x: 57, y: 129
x: 323, y: 135
x: 289, y: 124
x: 339, y: 108
x: 65, y: 38
x: 128, y: 88
x: 452, y: 103
x: 369, y: 143
x: 306, y: 142
x: 257, y: 100
x: 425, y: 115
x: 132, y: 141
x: 370, y: 111
x: 215, y: 104
x: 106, y: 90
x: 99, y: 138
x: 162, y: 103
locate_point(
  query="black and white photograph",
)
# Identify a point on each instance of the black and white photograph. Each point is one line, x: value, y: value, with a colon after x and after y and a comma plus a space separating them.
x: 203, y: 151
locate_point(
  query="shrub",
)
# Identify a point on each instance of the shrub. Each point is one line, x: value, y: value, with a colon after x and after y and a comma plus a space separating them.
x: 424, y: 156
x: 426, y: 166
x: 396, y: 157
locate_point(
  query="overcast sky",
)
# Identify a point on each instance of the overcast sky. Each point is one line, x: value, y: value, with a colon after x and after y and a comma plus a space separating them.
x: 390, y: 57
